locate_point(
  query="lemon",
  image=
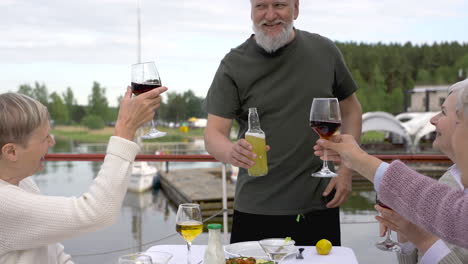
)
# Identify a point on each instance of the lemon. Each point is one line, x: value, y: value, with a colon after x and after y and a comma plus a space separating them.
x: 323, y: 247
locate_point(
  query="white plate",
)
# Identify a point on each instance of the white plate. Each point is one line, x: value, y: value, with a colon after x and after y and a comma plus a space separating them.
x: 248, y: 249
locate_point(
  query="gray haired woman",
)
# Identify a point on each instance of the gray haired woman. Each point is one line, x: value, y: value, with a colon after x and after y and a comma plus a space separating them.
x: 444, y: 212
x: 32, y: 224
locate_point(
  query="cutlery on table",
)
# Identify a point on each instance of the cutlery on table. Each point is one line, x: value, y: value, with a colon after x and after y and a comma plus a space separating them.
x: 299, y: 255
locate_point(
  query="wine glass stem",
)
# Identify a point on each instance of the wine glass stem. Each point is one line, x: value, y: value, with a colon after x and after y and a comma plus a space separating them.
x: 152, y: 123
x: 325, y: 161
x: 389, y: 238
x: 189, y: 246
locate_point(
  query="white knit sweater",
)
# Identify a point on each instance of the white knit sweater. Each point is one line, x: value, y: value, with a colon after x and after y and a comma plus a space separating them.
x: 31, y: 224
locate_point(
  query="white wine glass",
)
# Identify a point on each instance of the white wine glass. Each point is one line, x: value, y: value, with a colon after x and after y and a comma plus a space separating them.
x: 189, y: 224
x: 135, y: 258
x: 145, y: 77
x: 325, y: 120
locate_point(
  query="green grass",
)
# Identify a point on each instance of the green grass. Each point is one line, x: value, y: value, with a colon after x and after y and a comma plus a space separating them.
x: 82, y: 134
x: 373, y: 137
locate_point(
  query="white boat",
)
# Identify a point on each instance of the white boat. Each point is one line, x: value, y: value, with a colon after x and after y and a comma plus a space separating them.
x: 143, y: 176
x: 234, y: 173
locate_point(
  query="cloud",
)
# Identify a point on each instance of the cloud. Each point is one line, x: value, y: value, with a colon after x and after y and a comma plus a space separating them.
x: 187, y: 38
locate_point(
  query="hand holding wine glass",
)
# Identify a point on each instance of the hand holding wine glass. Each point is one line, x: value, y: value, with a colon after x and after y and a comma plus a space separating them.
x: 388, y: 244
x: 325, y: 119
x: 407, y: 231
x: 145, y: 77
x: 135, y: 111
x: 189, y: 224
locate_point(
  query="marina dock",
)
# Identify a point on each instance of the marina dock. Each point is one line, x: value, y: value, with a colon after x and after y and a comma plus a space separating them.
x: 202, y: 186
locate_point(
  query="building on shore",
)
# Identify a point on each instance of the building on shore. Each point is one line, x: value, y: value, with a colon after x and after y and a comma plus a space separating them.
x: 427, y: 98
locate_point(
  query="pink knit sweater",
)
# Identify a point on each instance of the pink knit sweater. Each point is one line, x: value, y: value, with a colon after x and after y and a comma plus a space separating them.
x: 434, y: 206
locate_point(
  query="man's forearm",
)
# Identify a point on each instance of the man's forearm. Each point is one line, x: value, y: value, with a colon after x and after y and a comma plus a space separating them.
x: 218, y: 146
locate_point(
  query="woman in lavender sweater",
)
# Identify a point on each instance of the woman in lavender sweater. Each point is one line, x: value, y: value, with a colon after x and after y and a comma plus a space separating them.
x: 433, y: 206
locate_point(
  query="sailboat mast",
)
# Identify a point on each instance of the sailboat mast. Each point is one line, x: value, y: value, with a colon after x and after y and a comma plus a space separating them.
x: 139, y: 32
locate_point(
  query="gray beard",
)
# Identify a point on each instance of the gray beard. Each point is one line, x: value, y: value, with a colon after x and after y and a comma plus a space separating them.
x: 272, y: 44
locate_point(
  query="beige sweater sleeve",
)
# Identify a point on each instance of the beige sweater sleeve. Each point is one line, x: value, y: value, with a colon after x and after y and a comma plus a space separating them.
x: 30, y: 220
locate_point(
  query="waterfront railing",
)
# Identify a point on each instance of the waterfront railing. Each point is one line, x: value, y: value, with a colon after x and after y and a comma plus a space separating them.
x: 410, y: 158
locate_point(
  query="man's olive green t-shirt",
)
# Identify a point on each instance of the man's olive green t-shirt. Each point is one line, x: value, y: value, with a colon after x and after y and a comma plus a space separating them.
x: 282, y: 86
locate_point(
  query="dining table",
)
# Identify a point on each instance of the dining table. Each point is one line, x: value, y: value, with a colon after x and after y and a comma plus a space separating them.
x: 338, y: 255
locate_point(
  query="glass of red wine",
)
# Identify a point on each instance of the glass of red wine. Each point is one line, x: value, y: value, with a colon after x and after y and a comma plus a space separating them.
x: 388, y: 244
x: 145, y: 77
x: 325, y: 119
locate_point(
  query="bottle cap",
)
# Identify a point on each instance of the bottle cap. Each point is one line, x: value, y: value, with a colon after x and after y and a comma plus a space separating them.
x: 215, y: 226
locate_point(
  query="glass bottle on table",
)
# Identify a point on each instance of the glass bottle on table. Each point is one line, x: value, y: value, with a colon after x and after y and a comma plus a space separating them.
x: 214, y: 253
x: 256, y: 137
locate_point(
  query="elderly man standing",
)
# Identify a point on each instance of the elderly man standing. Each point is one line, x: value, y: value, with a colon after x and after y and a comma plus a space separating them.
x: 280, y: 70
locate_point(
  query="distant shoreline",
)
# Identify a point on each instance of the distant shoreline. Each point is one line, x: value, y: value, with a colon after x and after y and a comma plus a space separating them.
x: 85, y: 135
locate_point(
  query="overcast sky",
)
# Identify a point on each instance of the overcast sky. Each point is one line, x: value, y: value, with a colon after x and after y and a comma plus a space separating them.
x: 65, y: 43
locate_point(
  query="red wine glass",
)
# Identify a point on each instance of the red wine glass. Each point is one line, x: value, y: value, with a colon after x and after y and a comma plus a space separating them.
x: 325, y: 120
x: 145, y: 77
x: 388, y: 244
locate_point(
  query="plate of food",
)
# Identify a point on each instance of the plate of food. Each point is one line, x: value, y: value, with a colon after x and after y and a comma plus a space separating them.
x: 250, y: 260
x: 245, y: 249
x: 248, y: 249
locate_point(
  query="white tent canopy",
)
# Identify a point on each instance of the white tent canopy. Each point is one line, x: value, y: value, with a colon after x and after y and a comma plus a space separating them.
x: 416, y: 127
x: 383, y: 121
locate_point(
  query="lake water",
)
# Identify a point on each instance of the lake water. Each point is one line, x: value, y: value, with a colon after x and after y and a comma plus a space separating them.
x: 148, y: 219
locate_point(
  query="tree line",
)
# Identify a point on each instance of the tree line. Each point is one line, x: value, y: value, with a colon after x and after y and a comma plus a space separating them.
x: 384, y: 74
x: 64, y: 109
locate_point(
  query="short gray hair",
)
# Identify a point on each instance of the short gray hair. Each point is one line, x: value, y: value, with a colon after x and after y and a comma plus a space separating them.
x: 462, y: 98
x: 20, y: 115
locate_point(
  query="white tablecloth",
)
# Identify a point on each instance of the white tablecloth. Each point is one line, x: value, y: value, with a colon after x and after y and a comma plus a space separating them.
x: 338, y: 255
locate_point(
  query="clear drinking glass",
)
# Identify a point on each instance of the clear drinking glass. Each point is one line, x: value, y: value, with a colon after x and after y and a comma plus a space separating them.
x: 277, y: 248
x: 325, y: 119
x: 159, y: 257
x: 145, y: 77
x: 189, y: 224
x: 388, y: 244
x: 135, y: 258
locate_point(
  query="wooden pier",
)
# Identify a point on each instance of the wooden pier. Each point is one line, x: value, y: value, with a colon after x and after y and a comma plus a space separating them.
x: 202, y: 186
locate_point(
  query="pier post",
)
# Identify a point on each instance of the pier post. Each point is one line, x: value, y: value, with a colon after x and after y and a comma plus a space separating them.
x: 225, y: 210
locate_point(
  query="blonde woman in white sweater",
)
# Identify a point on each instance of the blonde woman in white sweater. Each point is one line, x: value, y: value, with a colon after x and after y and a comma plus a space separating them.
x: 32, y: 224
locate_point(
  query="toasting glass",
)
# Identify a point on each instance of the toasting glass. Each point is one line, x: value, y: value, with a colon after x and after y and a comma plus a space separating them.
x: 325, y: 119
x: 189, y: 224
x: 388, y: 244
x: 145, y: 77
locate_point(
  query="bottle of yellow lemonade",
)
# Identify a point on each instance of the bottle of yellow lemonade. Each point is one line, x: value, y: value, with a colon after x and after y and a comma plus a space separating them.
x: 256, y: 137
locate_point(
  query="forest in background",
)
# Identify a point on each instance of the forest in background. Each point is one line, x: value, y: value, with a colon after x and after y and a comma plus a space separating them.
x: 384, y: 74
